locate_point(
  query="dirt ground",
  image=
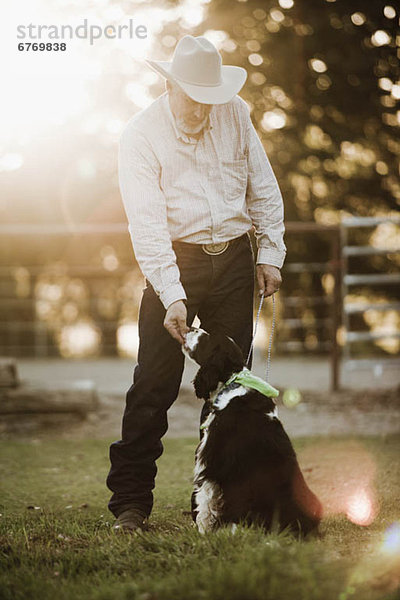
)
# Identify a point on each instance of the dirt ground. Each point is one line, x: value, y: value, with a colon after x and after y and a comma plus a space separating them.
x: 368, y: 405
x: 358, y: 412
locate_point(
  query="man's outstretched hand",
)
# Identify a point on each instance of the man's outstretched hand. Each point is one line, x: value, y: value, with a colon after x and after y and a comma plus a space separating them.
x: 175, y: 321
x: 269, y: 279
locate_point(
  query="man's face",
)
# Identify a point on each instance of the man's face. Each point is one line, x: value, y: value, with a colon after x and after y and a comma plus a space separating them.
x: 190, y: 116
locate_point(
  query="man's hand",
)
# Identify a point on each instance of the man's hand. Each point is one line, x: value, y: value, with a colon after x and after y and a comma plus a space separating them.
x: 175, y: 321
x: 269, y: 279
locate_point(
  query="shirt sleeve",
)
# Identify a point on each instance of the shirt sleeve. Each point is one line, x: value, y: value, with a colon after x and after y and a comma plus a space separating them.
x: 264, y: 201
x: 146, y: 210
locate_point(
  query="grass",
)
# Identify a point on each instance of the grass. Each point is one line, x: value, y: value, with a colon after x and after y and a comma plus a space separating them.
x: 65, y: 548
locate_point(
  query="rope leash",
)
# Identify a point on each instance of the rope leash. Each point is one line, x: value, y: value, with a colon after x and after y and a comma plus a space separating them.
x: 271, y: 335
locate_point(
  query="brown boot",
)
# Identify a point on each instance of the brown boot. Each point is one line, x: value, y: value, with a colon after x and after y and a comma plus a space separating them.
x: 131, y: 520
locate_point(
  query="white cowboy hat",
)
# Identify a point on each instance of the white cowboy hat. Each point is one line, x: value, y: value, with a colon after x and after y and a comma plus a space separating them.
x: 197, y: 68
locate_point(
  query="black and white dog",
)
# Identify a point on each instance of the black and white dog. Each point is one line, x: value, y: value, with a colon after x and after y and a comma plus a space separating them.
x: 246, y: 469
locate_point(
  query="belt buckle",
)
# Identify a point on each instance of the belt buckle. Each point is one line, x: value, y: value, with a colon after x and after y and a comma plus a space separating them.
x: 215, y: 249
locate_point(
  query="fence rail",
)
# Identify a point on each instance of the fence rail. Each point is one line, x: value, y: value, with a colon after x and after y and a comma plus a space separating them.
x: 351, y: 280
x: 331, y: 301
x: 338, y: 310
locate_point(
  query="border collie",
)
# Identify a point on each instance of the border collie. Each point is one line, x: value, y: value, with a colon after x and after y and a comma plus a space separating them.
x: 246, y: 470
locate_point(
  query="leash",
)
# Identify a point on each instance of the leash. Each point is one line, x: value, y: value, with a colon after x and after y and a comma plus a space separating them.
x: 271, y: 335
x: 245, y: 377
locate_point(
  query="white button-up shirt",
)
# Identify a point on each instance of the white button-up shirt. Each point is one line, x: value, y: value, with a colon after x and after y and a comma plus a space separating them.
x: 209, y: 190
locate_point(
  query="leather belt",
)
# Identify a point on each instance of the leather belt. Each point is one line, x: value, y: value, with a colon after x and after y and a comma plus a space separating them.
x: 211, y: 249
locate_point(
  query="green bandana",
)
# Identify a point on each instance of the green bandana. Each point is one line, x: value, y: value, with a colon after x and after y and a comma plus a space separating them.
x: 246, y: 378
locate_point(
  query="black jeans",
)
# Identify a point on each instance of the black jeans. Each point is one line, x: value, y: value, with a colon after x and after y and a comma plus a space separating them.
x: 219, y: 290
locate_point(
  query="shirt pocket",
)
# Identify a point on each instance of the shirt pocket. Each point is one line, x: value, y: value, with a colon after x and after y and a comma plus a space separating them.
x: 234, y: 175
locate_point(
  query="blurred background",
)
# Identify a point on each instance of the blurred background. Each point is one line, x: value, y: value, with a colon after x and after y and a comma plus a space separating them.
x: 323, y: 88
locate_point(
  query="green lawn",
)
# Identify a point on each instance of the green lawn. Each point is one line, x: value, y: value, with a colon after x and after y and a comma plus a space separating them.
x: 66, y: 550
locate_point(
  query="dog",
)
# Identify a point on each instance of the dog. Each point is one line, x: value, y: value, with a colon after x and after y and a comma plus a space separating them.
x: 246, y: 470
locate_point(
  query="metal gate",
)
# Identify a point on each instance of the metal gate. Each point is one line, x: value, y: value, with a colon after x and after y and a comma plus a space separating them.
x: 369, y: 282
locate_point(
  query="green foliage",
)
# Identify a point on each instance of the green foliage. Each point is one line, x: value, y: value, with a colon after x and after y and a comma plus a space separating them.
x: 315, y: 71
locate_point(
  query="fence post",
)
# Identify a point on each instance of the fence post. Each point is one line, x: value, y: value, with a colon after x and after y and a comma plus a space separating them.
x: 336, y: 309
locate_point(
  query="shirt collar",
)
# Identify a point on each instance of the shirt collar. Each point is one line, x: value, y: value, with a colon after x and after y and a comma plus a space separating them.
x: 181, y: 134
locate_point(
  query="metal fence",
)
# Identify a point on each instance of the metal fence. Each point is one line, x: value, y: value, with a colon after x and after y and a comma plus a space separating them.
x: 22, y: 332
x: 330, y: 302
x: 368, y: 282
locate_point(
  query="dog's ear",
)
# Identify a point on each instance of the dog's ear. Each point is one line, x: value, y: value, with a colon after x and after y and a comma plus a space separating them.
x: 227, y: 357
x: 234, y: 357
x: 206, y: 381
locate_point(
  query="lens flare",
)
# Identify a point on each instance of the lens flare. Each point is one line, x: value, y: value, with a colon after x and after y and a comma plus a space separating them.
x: 360, y: 508
x: 291, y: 397
x: 391, y: 540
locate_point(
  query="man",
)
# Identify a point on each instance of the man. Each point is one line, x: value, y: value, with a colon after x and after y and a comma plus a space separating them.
x: 194, y: 180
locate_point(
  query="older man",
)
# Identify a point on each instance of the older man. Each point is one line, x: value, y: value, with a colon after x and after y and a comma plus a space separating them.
x: 194, y: 180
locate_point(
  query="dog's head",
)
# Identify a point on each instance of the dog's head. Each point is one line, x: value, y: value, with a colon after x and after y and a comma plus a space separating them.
x: 218, y: 357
